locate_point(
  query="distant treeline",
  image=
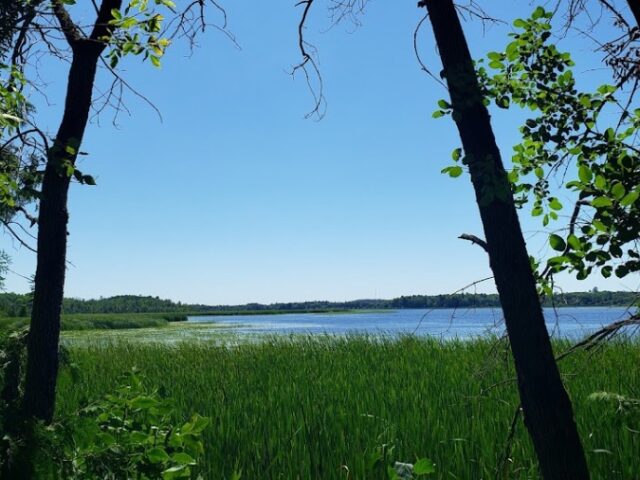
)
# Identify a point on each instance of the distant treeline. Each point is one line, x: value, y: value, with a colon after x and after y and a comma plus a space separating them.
x: 478, y: 300
x: 16, y: 305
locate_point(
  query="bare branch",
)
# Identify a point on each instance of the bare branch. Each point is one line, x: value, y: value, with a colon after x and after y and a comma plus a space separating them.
x: 601, y: 335
x: 15, y: 235
x: 473, y: 239
x: 308, y: 65
x: 416, y: 51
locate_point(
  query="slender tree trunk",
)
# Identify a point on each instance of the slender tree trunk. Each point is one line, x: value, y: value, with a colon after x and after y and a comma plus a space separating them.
x: 44, y: 334
x: 546, y: 406
x: 634, y: 5
x: 42, y: 364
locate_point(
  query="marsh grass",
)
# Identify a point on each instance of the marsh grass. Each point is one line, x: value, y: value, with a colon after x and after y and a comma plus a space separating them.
x: 318, y: 407
x: 101, y: 321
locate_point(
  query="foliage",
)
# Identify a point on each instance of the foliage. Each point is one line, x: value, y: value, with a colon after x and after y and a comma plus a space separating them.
x: 128, y: 434
x: 12, y: 357
x: 18, y: 175
x: 626, y: 411
x: 10, y: 12
x: 137, y: 32
x: 599, y: 164
x: 380, y: 460
x: 133, y: 311
x: 304, y: 407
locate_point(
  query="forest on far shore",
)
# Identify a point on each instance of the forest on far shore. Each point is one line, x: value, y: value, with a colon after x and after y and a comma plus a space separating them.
x: 19, y: 305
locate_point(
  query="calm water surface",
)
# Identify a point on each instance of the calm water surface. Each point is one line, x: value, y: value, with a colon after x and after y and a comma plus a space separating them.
x: 444, y: 323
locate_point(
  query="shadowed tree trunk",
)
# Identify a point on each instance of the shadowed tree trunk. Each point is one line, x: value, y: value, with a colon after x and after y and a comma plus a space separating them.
x: 634, y: 5
x: 42, y: 347
x: 546, y: 406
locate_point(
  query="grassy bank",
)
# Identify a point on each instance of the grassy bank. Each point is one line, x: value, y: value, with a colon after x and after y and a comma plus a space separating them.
x: 308, y: 408
x: 115, y: 321
x: 99, y: 321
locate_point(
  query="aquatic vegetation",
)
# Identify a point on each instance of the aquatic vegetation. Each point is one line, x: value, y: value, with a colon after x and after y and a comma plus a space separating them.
x: 322, y: 407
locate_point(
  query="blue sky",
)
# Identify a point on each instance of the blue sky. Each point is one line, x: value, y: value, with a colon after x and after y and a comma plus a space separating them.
x: 236, y: 197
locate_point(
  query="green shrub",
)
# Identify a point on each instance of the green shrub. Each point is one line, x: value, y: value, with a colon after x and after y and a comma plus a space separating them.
x: 127, y: 434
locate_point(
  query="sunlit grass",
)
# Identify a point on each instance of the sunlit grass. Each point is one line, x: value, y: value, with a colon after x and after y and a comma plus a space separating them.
x: 306, y: 408
x: 100, y: 321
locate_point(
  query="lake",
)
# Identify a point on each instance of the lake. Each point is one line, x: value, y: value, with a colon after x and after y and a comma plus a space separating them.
x: 567, y: 322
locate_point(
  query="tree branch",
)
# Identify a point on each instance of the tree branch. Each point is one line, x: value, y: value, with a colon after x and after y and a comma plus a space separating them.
x: 101, y: 29
x: 69, y: 28
x: 473, y: 239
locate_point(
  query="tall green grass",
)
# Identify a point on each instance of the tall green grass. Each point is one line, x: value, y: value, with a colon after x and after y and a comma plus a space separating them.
x: 313, y: 408
x: 101, y: 321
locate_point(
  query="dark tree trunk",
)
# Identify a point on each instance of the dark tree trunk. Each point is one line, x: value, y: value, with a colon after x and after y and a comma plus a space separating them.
x: 546, y: 406
x: 44, y: 334
x: 634, y: 5
x: 42, y: 364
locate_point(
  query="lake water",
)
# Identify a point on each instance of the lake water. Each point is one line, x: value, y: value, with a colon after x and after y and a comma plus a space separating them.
x: 442, y: 323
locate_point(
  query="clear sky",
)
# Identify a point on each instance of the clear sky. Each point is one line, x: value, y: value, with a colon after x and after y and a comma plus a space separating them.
x: 236, y: 197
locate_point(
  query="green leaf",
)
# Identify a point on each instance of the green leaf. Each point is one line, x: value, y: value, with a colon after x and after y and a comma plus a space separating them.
x: 88, y: 179
x: 424, y: 466
x: 129, y: 22
x: 610, y: 134
x: 585, y: 174
x: 539, y: 172
x: 453, y: 172
x: 392, y: 474
x: 179, y: 471
x: 574, y: 242
x: 600, y: 226
x: 538, y: 13
x: 512, y: 51
x: 157, y: 455
x: 622, y: 271
x: 630, y: 198
x: 183, y: 458
x: 143, y: 402
x: 557, y: 242
x: 618, y: 191
x: 555, y: 204
x: 438, y: 114
x: 139, y: 437
x: 155, y: 60
x: 456, y: 154
x: 600, y: 202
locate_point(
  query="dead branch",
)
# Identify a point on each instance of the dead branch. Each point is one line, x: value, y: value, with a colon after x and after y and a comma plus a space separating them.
x: 473, y: 239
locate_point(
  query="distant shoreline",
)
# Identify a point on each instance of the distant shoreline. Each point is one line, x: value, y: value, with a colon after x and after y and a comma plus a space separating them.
x: 14, y: 305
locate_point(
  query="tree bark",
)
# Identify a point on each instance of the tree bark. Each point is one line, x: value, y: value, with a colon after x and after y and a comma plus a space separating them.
x: 42, y: 365
x: 546, y: 406
x: 634, y: 5
x: 44, y: 334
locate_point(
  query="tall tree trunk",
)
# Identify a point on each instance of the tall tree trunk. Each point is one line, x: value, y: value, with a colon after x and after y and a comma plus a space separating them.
x: 546, y: 406
x: 42, y: 364
x: 44, y: 334
x: 634, y: 5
